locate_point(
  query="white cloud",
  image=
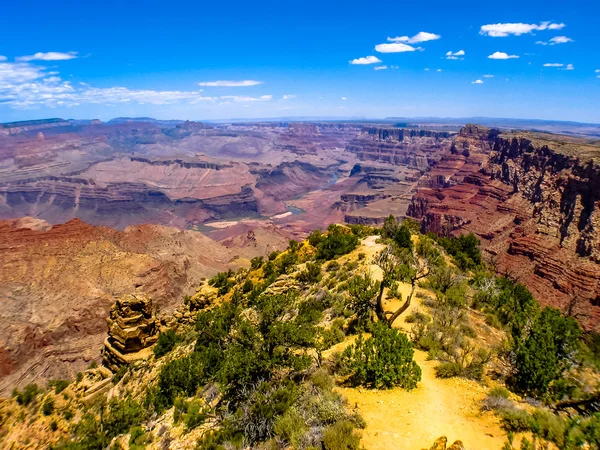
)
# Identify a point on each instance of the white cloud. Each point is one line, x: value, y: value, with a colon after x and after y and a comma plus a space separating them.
x: 556, y: 40
x: 395, y: 48
x: 456, y: 55
x: 366, y: 60
x: 245, y: 99
x: 501, y: 55
x: 344, y: 98
x: 477, y: 82
x: 24, y: 85
x: 394, y: 67
x: 3, y: 58
x: 517, y: 29
x: 553, y: 65
x: 288, y: 96
x: 569, y: 67
x: 554, y: 26
x: 560, y: 40
x: 50, y: 56
x: 597, y: 71
x: 380, y: 68
x: 488, y: 76
x: 439, y: 70
x: 230, y: 83
x: 421, y: 36
x: 426, y: 69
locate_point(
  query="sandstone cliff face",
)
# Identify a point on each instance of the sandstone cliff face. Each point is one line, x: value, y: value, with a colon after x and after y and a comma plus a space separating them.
x: 535, y: 202
x: 58, y: 283
x: 412, y: 148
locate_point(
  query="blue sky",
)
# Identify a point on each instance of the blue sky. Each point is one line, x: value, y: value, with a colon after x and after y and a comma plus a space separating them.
x: 269, y: 59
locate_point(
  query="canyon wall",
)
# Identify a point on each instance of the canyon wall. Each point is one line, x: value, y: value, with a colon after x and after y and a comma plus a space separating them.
x: 534, y: 200
x: 58, y: 283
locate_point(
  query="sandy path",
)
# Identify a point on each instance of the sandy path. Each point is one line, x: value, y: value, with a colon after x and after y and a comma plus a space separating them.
x: 397, y: 419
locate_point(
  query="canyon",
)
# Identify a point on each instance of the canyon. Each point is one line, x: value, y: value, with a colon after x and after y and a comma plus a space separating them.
x: 93, y: 211
x: 533, y: 199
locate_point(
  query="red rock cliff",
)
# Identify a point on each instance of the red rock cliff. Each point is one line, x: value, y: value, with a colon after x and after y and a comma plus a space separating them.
x: 534, y: 199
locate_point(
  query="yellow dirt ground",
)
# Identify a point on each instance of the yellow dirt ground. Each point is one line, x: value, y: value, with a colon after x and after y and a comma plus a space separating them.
x: 397, y: 419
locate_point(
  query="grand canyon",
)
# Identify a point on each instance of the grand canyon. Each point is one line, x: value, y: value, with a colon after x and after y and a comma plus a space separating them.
x: 93, y: 211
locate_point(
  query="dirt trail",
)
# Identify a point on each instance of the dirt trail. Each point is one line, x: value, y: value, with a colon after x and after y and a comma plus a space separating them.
x: 397, y: 419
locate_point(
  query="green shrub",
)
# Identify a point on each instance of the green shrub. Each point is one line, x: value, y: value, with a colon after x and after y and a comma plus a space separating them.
x: 332, y: 266
x: 448, y: 370
x: 58, y: 385
x: 256, y: 262
x: 417, y: 317
x: 53, y: 425
x: 548, y: 427
x: 311, y: 274
x: 195, y: 415
x: 516, y: 420
x: 338, y: 241
x: 28, y: 395
x: 341, y: 436
x: 166, y: 342
x: 290, y: 427
x: 493, y: 321
x: 499, y: 391
x: 543, y: 354
x: 384, y: 360
x: 247, y: 286
x: 48, y: 407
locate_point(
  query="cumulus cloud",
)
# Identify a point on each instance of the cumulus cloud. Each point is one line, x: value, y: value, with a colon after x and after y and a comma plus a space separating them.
x: 229, y: 83
x: 553, y: 65
x: 488, y: 76
x: 366, y: 60
x: 50, y: 56
x: 439, y: 70
x: 456, y: 55
x: 395, y: 48
x: 344, y: 98
x: 380, y: 67
x: 502, y: 55
x: 3, y: 58
x: 569, y: 67
x: 421, y: 36
x: 394, y: 67
x: 477, y: 82
x: 24, y: 85
x: 288, y: 96
x: 517, y: 29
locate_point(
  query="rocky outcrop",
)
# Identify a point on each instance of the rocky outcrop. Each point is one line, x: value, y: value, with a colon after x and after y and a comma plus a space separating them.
x: 534, y: 199
x: 441, y: 442
x: 132, y: 330
x: 58, y: 284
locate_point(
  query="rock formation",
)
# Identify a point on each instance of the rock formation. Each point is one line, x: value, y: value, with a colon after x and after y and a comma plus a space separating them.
x: 132, y: 330
x: 58, y: 283
x: 441, y: 442
x: 533, y: 199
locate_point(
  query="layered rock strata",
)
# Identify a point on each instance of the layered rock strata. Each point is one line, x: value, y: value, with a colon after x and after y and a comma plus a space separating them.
x: 132, y: 330
x: 534, y: 200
